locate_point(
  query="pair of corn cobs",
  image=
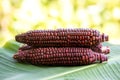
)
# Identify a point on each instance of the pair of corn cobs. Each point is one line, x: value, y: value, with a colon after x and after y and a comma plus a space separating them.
x: 62, y: 47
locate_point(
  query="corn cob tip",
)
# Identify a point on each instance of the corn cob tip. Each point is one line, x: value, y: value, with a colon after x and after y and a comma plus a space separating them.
x: 20, y: 37
x: 104, y: 37
x: 101, y: 49
x: 20, y: 56
x: 105, y: 49
x: 101, y: 57
x: 15, y: 56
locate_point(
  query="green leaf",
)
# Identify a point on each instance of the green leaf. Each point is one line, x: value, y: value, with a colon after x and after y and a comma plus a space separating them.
x: 12, y: 70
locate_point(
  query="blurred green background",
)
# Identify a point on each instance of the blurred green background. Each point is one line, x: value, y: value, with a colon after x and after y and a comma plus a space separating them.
x: 17, y: 16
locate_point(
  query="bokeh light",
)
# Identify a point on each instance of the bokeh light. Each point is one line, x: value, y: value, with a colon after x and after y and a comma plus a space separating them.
x: 17, y: 16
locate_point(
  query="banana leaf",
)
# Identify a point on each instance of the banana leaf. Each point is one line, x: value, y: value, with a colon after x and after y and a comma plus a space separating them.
x: 10, y: 69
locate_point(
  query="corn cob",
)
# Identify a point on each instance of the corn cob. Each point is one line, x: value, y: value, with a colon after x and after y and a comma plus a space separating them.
x: 62, y: 38
x: 59, y: 56
x: 101, y: 49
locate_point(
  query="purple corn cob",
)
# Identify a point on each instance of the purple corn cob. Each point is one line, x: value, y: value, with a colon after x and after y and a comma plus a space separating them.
x: 99, y: 48
x: 62, y: 38
x: 59, y: 56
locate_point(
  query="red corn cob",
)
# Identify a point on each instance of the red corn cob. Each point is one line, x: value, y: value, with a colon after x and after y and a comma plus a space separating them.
x: 59, y: 56
x: 99, y: 48
x: 62, y: 38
